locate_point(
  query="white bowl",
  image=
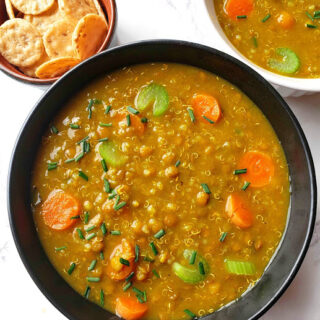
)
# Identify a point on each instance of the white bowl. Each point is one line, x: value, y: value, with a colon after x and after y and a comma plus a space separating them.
x: 286, y: 86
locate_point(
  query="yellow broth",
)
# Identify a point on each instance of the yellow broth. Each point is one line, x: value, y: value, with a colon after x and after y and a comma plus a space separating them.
x: 259, y: 35
x: 160, y: 194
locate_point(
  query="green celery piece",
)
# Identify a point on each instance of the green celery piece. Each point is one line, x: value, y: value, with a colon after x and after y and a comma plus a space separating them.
x: 289, y: 64
x: 155, y: 93
x: 243, y: 268
x: 111, y: 154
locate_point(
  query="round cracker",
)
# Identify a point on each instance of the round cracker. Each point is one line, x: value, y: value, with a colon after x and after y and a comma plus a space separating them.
x: 88, y: 35
x: 76, y: 9
x: 58, y: 40
x: 56, y: 67
x: 44, y: 20
x: 9, y: 9
x: 31, y: 71
x: 32, y: 6
x: 20, y: 43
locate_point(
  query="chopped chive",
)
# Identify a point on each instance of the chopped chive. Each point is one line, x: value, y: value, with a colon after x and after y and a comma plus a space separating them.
x: 239, y: 171
x: 153, y: 247
x: 86, y: 217
x: 245, y: 186
x: 317, y: 13
x: 160, y: 234
x: 177, y: 164
x: 101, y: 298
x: 136, y: 252
x: 79, y: 156
x: 128, y: 120
x: 154, y: 271
x: 103, y: 228
x: 148, y: 259
x: 93, y: 279
x: 113, y: 194
x: 223, y: 236
x: 193, y: 257
x: 140, y: 298
x: 104, y: 165
x: 89, y: 108
x: 137, y: 291
x: 144, y: 120
x: 311, y: 26
x: 74, y: 126
x: 115, y: 232
x: 90, y: 228
x: 120, y: 205
x: 107, y: 109
x: 267, y: 17
x: 54, y: 130
x: 86, y: 146
x: 83, y: 175
x: 189, y: 313
x: 75, y: 217
x: 87, y: 292
x: 92, y: 265
x: 201, y: 268
x: 90, y: 236
x: 309, y: 16
x: 127, y: 286
x: 101, y: 124
x: 101, y: 255
x: 209, y: 120
x: 130, y: 276
x: 60, y: 248
x: 125, y: 262
x: 71, y: 268
x: 242, y: 17
x: 84, y: 139
x: 205, y: 188
x: 255, y: 41
x: 103, y: 139
x: 69, y: 160
x: 80, y: 234
x: 190, y: 111
x: 52, y: 166
x: 133, y: 110
x: 145, y: 296
x: 106, y: 183
x: 117, y: 200
x: 97, y: 101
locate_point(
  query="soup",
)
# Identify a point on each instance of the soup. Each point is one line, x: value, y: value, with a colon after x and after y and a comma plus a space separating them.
x: 276, y: 35
x: 160, y: 192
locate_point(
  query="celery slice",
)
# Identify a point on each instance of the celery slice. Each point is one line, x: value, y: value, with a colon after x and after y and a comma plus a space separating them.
x: 244, y: 268
x: 111, y: 154
x: 290, y: 62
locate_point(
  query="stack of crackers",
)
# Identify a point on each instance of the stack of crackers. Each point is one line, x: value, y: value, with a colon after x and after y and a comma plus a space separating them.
x: 46, y: 38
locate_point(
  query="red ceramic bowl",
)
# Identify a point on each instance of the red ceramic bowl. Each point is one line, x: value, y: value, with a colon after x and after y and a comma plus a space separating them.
x: 109, y: 8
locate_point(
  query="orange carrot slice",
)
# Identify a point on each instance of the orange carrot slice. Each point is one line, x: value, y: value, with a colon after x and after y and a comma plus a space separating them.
x: 235, y: 8
x: 130, y: 309
x: 206, y: 106
x: 286, y: 20
x: 58, y: 210
x: 260, y: 168
x: 135, y: 122
x: 237, y: 211
x: 116, y: 270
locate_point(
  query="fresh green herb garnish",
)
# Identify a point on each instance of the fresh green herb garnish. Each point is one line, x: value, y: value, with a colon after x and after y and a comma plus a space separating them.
x: 90, y: 236
x: 101, y: 255
x: 69, y: 160
x: 160, y: 234
x: 80, y: 233
x: 89, y: 108
x: 74, y: 126
x: 223, y: 236
x: 242, y: 17
x: 154, y: 271
x: 93, y: 279
x: 153, y: 248
x: 136, y: 252
x: 127, y: 286
x: 128, y: 120
x: 311, y: 26
x: 144, y: 120
x: 205, y: 188
x: 103, y: 228
x: 201, y: 268
x: 148, y: 259
x: 83, y: 175
x: 79, y: 156
x: 101, y: 298
x: 106, y: 183
x: 209, y: 120
x: 71, y: 268
x: 75, y: 217
x: 101, y: 124
x: 82, y: 140
x: 267, y: 17
x: 54, y: 130
x: 133, y: 110
x: 60, y: 248
x: 177, y: 164
x: 255, y: 41
x: 103, y: 139
x: 115, y: 232
x: 52, y: 166
x: 189, y: 313
x: 239, y: 171
x: 193, y: 257
x: 87, y: 292
x: 190, y: 111
x: 119, y: 206
x: 86, y: 217
x: 125, y: 262
x: 90, y: 228
x: 309, y: 16
x: 92, y: 265
x: 107, y: 109
x: 245, y: 186
x: 104, y: 165
x: 130, y: 276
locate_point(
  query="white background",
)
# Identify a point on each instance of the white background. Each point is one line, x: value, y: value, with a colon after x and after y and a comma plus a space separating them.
x: 137, y: 20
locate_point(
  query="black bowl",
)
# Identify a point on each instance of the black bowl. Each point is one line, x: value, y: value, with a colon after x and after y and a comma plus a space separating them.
x: 296, y: 239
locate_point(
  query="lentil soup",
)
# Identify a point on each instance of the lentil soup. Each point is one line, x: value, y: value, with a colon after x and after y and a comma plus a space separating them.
x: 160, y: 192
x: 276, y: 35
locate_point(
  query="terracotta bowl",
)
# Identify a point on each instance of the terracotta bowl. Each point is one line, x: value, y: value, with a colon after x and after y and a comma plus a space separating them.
x: 109, y: 8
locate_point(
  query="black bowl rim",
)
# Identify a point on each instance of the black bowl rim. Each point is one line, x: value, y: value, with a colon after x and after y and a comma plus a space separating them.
x: 253, y: 74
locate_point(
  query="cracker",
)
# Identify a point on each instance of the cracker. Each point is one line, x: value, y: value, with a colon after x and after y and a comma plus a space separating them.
x: 9, y: 9
x: 44, y: 20
x: 76, y: 9
x: 58, y: 40
x: 99, y: 10
x: 56, y: 67
x: 20, y: 43
x: 88, y: 35
x: 32, y: 6
x: 31, y: 71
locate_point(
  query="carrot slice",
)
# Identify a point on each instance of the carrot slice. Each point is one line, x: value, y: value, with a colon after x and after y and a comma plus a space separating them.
x: 206, y: 106
x: 135, y: 122
x: 130, y: 309
x: 237, y: 211
x: 286, y: 20
x: 115, y: 270
x: 260, y: 168
x: 58, y: 210
x: 235, y: 8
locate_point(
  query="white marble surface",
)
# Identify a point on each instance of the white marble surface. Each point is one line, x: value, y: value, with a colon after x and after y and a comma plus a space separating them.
x: 141, y: 19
